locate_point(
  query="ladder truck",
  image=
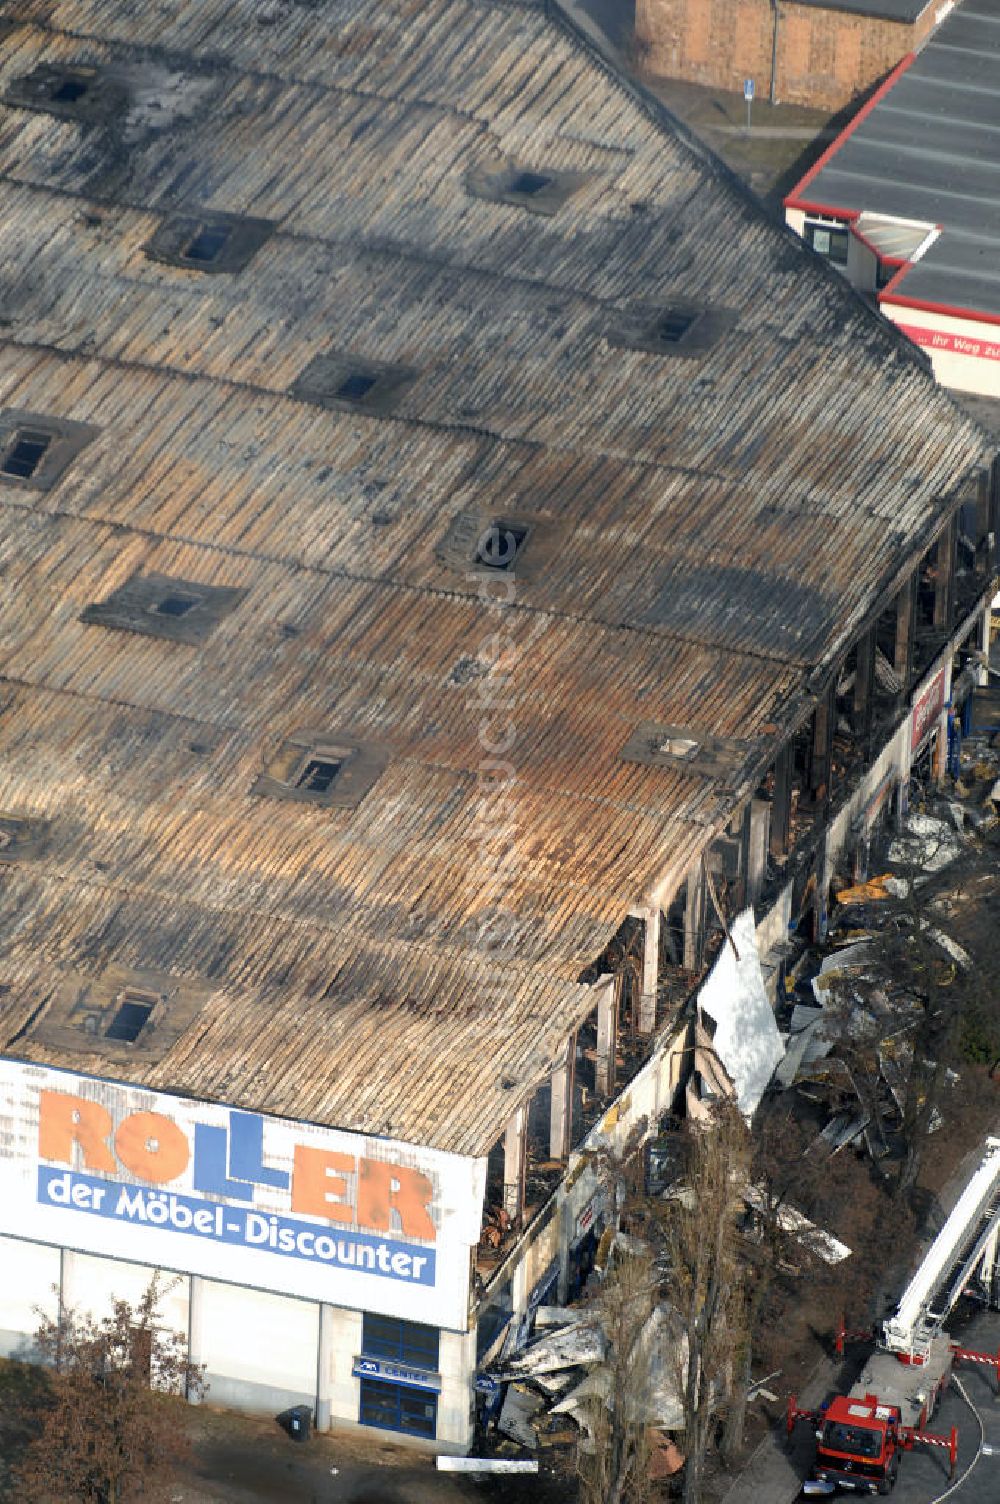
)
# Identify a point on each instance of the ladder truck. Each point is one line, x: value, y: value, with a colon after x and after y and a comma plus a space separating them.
x: 861, y: 1436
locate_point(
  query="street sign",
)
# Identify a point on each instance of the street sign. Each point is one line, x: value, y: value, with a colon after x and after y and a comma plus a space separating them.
x: 748, y: 89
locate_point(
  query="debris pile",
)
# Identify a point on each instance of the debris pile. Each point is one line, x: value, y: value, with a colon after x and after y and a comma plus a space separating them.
x: 848, y: 1020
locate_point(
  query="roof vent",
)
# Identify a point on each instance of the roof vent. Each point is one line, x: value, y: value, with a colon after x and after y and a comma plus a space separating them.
x: 688, y: 750
x: 155, y: 605
x: 325, y: 768
x: 35, y: 449
x: 73, y: 92
x: 680, y: 328
x: 543, y: 190
x: 352, y: 382
x: 209, y: 242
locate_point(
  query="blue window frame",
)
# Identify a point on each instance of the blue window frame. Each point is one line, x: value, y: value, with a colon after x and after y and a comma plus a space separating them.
x: 401, y: 1341
x: 396, y: 1407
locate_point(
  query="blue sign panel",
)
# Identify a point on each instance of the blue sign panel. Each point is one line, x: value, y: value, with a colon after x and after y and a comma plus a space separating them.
x: 146, y: 1206
x: 748, y: 88
x: 395, y: 1373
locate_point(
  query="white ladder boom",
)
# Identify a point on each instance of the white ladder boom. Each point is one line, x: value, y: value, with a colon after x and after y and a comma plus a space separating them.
x: 950, y: 1261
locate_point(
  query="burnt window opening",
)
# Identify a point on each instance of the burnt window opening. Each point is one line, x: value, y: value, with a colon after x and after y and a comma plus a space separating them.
x: 70, y: 90
x: 352, y: 381
x: 155, y: 605
x: 500, y: 545
x: 682, y: 747
x: 539, y: 189
x: 73, y: 92
x: 682, y: 328
x: 324, y: 768
x: 319, y: 774
x: 529, y: 183
x: 356, y: 386
x: 675, y: 325
x: 208, y: 243
x: 131, y: 1017
x: 36, y: 449
x: 176, y: 605
x: 23, y: 457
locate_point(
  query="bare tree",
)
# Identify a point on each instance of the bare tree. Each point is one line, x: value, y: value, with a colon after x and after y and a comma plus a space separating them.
x: 704, y: 1279
x: 615, y: 1468
x: 105, y: 1424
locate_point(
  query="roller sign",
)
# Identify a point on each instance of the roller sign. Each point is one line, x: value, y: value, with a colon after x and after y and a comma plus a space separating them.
x: 203, y: 1188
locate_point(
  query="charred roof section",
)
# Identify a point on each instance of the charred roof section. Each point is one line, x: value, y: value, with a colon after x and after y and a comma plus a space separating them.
x: 210, y: 242
x: 36, y: 449
x: 540, y: 190
x: 679, y: 327
x: 157, y: 605
x: 350, y: 382
x: 80, y: 92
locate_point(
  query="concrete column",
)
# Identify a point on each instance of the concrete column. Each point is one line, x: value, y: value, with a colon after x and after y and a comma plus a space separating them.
x: 906, y: 614
x: 757, y: 846
x: 195, y: 1341
x: 694, y: 918
x: 607, y: 1035
x: 822, y: 746
x: 515, y: 1154
x: 650, y: 970
x: 325, y: 1358
x: 864, y: 685
x: 781, y: 804
x: 983, y: 635
x: 944, y: 576
x: 561, y: 1108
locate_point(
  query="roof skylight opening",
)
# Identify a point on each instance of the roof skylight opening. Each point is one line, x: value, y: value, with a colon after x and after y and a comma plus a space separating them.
x: 529, y: 183
x: 208, y: 244
x: 176, y: 605
x: 70, y: 90
x: 683, y: 747
x: 675, y: 324
x: 500, y: 545
x: 356, y: 386
x: 23, y: 457
x: 131, y: 1017
x: 319, y: 774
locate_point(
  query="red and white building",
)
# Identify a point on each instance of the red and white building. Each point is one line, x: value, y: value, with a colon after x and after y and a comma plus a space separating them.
x: 906, y: 201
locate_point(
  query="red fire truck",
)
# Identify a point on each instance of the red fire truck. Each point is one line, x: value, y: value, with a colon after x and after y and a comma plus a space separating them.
x: 861, y: 1436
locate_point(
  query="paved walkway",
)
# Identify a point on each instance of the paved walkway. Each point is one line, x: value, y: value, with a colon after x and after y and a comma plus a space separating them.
x: 775, y: 1471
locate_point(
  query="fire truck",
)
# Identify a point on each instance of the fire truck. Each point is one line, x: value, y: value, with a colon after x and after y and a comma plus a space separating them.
x: 861, y: 1436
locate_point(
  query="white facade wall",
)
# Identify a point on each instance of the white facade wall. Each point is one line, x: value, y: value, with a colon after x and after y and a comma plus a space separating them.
x: 260, y: 1350
x: 30, y: 1285
x: 964, y: 352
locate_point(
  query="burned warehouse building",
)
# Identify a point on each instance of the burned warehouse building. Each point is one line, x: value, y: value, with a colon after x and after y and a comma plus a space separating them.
x: 451, y: 535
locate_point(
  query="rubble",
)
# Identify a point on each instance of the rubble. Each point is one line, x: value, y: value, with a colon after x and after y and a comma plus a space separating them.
x: 928, y: 842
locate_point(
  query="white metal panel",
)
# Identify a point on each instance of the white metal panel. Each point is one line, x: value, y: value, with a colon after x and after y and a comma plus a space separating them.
x: 368, y: 1223
x: 30, y: 1283
x: 91, y: 1285
x: 253, y: 1337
